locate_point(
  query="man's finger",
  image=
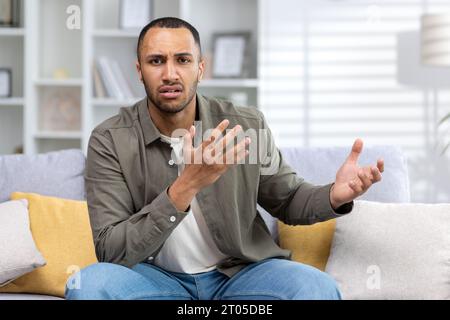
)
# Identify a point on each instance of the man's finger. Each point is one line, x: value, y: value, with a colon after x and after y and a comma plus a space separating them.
x: 235, y: 154
x: 242, y: 153
x: 365, y: 179
x: 227, y: 142
x: 376, y: 174
x: 368, y: 172
x: 208, y: 142
x: 187, y: 145
x: 188, y: 137
x: 217, y: 131
x: 356, y: 150
x: 242, y: 156
x: 192, y: 132
x: 380, y: 165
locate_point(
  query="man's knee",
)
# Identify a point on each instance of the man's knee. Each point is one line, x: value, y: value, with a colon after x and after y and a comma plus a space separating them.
x: 303, y: 282
x: 312, y: 284
x: 95, y: 281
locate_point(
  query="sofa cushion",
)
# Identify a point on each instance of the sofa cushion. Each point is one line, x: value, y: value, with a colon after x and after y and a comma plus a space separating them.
x: 319, y: 166
x: 18, y: 252
x: 23, y: 296
x: 309, y: 244
x: 392, y: 251
x: 63, y: 234
x: 57, y: 174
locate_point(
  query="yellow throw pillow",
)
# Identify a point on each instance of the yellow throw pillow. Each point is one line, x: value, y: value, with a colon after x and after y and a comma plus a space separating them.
x: 309, y: 244
x: 62, y: 233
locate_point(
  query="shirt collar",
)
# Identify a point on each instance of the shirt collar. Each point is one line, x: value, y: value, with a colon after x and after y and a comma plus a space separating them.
x: 151, y: 132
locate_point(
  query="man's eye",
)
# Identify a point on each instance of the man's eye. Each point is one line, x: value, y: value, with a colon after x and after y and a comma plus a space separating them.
x: 156, y: 61
x: 184, y: 60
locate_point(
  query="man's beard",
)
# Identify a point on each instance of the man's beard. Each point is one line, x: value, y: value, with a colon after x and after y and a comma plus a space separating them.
x: 166, y: 107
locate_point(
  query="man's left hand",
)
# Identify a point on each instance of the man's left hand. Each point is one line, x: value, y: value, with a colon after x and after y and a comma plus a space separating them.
x: 353, y: 180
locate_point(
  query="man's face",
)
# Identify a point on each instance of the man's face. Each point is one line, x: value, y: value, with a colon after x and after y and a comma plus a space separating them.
x: 170, y: 67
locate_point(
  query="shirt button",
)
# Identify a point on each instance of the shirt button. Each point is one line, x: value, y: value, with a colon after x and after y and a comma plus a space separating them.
x: 171, y: 162
x: 172, y: 219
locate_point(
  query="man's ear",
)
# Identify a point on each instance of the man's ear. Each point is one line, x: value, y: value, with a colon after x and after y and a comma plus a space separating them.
x: 201, y: 67
x: 138, y: 69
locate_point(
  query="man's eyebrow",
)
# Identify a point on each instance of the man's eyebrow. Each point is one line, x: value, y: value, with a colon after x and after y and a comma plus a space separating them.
x: 183, y: 54
x: 155, y: 55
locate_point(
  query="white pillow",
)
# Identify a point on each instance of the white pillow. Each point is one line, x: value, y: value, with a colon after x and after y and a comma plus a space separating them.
x: 18, y: 252
x: 392, y: 251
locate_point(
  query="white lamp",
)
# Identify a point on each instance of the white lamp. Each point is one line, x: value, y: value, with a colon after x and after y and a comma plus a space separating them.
x: 435, y: 39
x: 435, y: 46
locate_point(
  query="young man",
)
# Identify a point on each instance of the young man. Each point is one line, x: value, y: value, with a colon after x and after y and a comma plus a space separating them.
x: 173, y: 217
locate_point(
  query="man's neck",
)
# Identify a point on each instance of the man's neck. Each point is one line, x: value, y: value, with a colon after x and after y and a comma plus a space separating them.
x: 168, y: 122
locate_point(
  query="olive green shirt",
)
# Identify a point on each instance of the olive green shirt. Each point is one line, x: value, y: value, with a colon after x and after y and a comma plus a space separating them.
x: 129, y: 170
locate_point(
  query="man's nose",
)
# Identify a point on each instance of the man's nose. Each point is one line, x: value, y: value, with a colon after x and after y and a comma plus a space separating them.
x: 170, y: 72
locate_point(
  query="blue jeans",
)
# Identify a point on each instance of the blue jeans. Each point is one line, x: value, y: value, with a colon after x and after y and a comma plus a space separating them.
x: 269, y: 279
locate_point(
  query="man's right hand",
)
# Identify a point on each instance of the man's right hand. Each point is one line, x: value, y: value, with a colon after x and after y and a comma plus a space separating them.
x: 205, y: 164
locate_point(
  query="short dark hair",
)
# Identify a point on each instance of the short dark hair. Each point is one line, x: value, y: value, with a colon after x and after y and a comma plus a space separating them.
x: 168, y: 22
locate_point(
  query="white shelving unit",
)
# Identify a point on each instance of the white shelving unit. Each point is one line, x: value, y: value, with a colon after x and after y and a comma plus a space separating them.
x: 45, y: 47
x: 105, y: 102
x: 14, y: 102
x: 58, y: 135
x: 12, y: 32
x: 52, y: 49
x: 12, y: 56
x: 59, y: 82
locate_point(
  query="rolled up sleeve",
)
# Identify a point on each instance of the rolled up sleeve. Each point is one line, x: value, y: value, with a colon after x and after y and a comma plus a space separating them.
x: 287, y: 196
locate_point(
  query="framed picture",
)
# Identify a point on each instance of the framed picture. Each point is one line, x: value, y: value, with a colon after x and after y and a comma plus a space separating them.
x: 135, y: 14
x: 5, y: 83
x: 9, y: 13
x: 60, y: 110
x: 230, y: 54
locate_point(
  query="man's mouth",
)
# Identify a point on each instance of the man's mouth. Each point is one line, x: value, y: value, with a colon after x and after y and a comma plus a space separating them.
x: 170, y: 92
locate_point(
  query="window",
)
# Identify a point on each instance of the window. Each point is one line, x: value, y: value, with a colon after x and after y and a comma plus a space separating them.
x: 329, y: 75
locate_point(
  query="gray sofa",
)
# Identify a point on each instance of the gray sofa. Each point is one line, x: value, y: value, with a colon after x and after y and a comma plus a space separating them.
x: 60, y: 174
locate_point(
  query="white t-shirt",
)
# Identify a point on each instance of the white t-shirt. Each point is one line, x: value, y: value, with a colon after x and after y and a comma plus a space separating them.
x: 190, y: 247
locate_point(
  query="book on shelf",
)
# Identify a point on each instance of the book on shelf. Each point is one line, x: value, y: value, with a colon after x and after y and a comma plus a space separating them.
x: 60, y: 110
x: 120, y: 77
x: 10, y: 13
x: 99, y: 87
x: 110, y: 81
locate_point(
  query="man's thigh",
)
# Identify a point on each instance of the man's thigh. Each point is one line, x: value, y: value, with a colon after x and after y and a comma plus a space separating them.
x: 279, y: 279
x: 104, y: 281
